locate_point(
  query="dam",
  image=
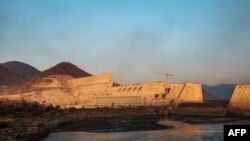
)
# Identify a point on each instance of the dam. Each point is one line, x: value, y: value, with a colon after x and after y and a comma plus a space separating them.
x: 240, y: 101
x: 100, y: 91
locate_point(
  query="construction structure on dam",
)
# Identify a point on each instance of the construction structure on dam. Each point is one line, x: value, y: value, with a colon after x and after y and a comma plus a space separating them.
x: 100, y: 91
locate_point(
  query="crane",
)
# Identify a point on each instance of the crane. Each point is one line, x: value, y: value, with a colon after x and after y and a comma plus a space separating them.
x: 165, y: 74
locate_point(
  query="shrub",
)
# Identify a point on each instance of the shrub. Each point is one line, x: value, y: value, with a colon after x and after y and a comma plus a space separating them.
x: 24, y: 108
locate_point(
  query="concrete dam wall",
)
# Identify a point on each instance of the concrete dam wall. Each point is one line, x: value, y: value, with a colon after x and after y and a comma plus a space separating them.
x: 98, y: 91
x: 240, y: 101
x: 180, y: 93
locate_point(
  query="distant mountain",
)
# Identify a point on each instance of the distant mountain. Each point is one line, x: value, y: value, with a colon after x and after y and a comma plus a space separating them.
x: 7, y: 77
x: 209, y: 97
x: 223, y: 91
x: 21, y: 69
x: 64, y: 68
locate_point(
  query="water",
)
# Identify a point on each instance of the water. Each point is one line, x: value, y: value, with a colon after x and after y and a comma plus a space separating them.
x: 181, y: 132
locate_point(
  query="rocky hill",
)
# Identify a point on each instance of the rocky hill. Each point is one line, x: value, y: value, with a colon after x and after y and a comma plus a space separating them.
x: 21, y: 69
x: 63, y: 68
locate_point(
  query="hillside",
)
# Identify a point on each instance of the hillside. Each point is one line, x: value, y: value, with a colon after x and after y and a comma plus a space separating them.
x: 224, y: 91
x: 21, y: 69
x: 7, y: 77
x: 63, y: 68
x: 209, y: 97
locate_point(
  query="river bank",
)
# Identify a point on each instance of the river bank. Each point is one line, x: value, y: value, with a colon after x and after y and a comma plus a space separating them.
x: 114, y: 124
x: 24, y: 121
x: 29, y: 121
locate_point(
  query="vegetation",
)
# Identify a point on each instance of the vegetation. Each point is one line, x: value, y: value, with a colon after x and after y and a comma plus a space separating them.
x: 24, y: 108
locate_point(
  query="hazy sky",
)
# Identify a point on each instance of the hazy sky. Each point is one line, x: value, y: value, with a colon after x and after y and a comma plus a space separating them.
x: 203, y: 41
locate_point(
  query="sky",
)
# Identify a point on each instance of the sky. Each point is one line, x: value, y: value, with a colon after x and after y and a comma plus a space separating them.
x: 200, y: 41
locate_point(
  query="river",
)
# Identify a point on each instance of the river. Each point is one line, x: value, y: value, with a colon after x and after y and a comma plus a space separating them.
x: 181, y: 132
